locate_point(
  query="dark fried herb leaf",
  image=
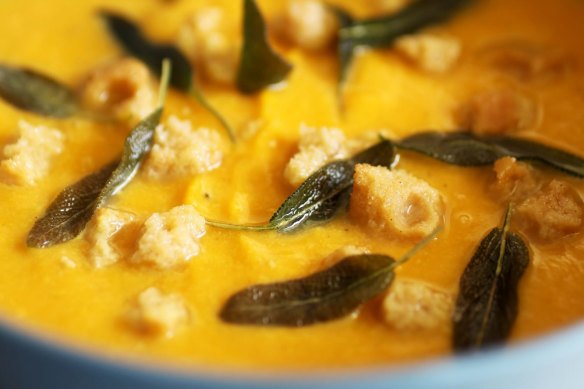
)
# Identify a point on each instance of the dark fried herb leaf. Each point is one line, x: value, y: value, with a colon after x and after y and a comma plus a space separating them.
x: 260, y: 66
x: 532, y: 151
x: 380, y: 154
x: 137, y: 145
x: 323, y: 296
x: 328, y: 210
x: 323, y: 194
x: 486, y: 306
x: 29, y: 90
x: 133, y: 40
x: 468, y: 149
x: 328, y: 190
x: 320, y: 196
x: 68, y: 214
x: 458, y: 148
x: 384, y: 30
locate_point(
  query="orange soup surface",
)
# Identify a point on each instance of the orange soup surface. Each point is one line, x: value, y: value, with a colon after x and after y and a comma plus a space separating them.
x: 513, y: 68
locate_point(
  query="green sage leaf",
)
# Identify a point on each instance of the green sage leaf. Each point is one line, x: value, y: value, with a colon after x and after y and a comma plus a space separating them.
x: 323, y: 195
x: 380, y: 154
x: 383, y: 31
x: 260, y: 66
x: 327, y: 295
x: 70, y: 212
x: 457, y: 148
x: 487, y: 302
x: 468, y: 149
x: 137, y: 145
x: 527, y: 150
x: 323, y: 296
x: 135, y: 43
x: 35, y: 92
x: 328, y: 190
x: 320, y: 196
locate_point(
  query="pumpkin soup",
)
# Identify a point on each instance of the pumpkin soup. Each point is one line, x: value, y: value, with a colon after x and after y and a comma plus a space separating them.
x: 294, y: 183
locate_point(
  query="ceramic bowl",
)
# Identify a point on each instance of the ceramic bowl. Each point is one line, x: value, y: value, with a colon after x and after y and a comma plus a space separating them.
x: 29, y: 359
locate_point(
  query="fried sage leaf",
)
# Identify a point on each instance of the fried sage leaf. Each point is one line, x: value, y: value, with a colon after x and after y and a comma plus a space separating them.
x: 260, y: 66
x: 486, y: 306
x: 328, y: 190
x: 468, y: 149
x: 323, y: 194
x: 327, y: 295
x: 68, y: 214
x: 383, y: 31
x: 29, y: 90
x: 457, y: 148
x: 323, y: 296
x: 133, y: 40
x: 137, y: 145
x: 536, y: 152
x: 320, y: 197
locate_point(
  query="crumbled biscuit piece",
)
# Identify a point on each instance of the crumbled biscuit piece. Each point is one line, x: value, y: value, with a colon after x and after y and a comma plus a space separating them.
x: 209, y: 45
x: 552, y: 213
x: 514, y: 181
x: 158, y: 314
x: 317, y: 147
x: 124, y: 88
x: 100, y: 234
x: 498, y: 111
x: 432, y: 53
x: 180, y: 151
x: 414, y: 306
x: 170, y: 238
x: 309, y: 24
x: 394, y: 202
x: 28, y: 159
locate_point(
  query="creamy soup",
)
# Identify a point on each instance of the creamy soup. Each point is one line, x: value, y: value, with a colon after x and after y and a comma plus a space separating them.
x: 497, y: 66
